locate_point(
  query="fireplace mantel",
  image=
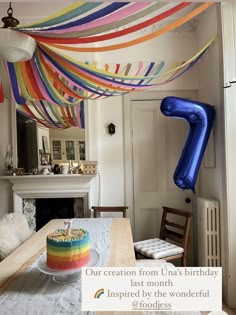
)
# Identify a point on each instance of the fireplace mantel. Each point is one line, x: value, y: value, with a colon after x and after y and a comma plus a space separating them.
x: 49, y: 179
x: 48, y: 186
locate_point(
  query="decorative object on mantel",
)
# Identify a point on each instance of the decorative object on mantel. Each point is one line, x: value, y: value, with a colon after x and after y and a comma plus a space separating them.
x: 8, y: 161
x: 73, y: 167
x: 45, y: 171
x: 56, y: 169
x: 111, y: 129
x: 89, y: 167
x: 64, y: 168
x: 45, y: 158
x: 45, y: 144
x: 19, y: 171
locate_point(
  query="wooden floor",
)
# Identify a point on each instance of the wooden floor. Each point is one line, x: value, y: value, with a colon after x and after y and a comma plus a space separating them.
x: 225, y: 309
x: 228, y: 310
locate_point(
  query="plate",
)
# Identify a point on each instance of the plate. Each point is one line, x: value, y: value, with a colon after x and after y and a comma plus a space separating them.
x: 42, y: 266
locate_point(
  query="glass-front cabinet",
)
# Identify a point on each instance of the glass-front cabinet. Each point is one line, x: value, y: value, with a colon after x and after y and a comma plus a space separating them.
x: 57, y: 150
x: 70, y: 150
x: 81, y: 147
x: 65, y: 150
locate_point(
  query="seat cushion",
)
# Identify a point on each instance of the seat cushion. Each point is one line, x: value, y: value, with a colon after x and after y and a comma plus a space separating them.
x: 157, y: 248
x: 153, y: 263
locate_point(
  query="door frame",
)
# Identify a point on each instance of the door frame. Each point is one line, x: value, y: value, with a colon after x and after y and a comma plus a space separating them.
x: 128, y: 143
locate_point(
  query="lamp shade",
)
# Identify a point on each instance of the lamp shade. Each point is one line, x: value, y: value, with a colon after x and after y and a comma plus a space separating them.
x: 16, y: 46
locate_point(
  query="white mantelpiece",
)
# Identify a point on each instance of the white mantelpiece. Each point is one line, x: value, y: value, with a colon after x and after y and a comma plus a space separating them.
x: 49, y: 186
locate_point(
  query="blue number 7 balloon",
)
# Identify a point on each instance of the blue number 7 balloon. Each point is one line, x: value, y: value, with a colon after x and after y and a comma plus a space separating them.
x: 200, y: 117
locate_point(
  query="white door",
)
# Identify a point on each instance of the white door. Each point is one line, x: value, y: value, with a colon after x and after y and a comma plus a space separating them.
x: 157, y: 142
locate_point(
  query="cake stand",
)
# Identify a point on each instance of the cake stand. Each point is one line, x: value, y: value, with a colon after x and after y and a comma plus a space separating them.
x: 66, y: 276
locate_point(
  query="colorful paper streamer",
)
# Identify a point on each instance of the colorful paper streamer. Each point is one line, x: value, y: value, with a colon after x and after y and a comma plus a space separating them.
x: 54, y: 116
x: 62, y: 80
x: 52, y: 86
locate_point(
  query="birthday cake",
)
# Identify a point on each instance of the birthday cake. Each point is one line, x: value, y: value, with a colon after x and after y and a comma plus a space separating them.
x: 68, y: 249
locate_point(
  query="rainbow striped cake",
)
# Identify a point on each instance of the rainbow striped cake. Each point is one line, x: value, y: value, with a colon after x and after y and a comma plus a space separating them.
x: 68, y: 249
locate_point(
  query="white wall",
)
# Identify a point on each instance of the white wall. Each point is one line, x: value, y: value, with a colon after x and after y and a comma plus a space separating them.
x: 69, y: 133
x: 172, y: 47
x: 212, y: 179
x: 229, y: 52
x: 110, y: 150
x: 209, y: 92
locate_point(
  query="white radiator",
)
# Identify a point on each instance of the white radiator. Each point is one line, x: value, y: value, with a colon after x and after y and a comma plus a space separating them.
x: 208, y: 232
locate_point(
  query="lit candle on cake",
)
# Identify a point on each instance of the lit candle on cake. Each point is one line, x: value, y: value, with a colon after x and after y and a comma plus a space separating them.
x: 67, y: 226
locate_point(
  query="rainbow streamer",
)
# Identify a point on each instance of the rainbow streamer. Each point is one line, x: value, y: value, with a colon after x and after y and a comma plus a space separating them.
x: 78, y: 24
x: 62, y: 80
x: 90, y: 84
x: 54, y: 116
x: 51, y: 87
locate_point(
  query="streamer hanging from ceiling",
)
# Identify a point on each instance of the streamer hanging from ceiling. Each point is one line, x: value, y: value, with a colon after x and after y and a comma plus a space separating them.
x: 54, y: 116
x: 78, y: 23
x: 62, y: 80
x: 51, y: 86
x: 57, y: 116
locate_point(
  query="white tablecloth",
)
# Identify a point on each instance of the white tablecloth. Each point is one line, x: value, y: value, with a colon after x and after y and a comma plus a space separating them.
x: 35, y: 293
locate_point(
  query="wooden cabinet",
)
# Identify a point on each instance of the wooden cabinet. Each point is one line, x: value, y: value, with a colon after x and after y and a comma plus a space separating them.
x: 64, y: 150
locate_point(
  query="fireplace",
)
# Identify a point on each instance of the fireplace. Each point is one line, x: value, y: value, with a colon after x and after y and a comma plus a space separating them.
x: 40, y: 211
x: 33, y: 187
x: 49, y: 209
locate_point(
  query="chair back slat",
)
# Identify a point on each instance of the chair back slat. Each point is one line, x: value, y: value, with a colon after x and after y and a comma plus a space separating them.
x: 178, y: 226
x: 98, y: 209
x: 174, y: 236
x: 177, y: 211
x: 179, y: 233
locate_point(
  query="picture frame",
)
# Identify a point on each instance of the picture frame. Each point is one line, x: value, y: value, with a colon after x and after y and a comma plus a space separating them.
x: 45, y: 144
x: 45, y: 158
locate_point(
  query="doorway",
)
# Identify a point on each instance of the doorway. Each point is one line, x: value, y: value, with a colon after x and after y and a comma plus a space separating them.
x: 153, y: 145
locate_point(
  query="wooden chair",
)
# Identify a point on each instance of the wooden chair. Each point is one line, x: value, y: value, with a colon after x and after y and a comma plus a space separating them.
x: 97, y: 210
x: 173, y: 241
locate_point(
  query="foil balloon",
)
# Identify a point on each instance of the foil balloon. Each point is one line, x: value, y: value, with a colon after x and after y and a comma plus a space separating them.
x: 200, y: 117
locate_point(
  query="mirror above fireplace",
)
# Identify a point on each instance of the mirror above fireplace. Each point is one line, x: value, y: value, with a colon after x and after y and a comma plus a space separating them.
x: 38, y: 145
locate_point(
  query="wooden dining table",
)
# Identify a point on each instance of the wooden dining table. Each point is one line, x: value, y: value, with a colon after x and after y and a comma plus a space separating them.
x: 121, y: 250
